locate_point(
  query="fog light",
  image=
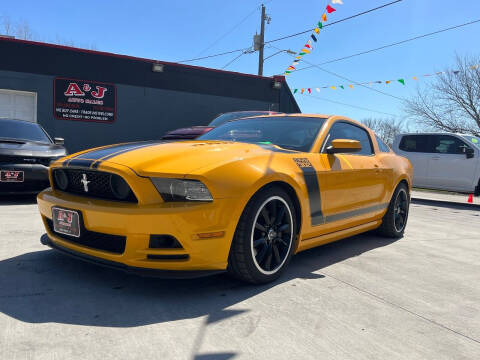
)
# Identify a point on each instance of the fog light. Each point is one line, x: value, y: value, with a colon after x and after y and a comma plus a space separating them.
x: 61, y: 179
x: 119, y: 187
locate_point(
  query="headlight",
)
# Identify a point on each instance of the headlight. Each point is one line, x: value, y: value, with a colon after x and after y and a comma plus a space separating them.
x: 182, y: 190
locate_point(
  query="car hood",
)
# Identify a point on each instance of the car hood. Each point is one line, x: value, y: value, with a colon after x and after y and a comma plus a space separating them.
x: 30, y: 148
x: 179, y: 158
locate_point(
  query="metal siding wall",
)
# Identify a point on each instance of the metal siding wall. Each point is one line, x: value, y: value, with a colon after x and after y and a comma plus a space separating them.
x: 142, y: 113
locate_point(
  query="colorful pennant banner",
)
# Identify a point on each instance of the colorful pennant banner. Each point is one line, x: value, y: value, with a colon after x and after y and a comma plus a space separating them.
x: 387, y: 82
x: 307, y: 48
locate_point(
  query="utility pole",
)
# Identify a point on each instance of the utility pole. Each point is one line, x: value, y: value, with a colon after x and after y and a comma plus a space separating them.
x: 261, y: 42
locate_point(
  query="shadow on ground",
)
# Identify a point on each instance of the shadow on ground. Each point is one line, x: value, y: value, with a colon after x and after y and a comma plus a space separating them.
x: 45, y: 286
x: 21, y: 199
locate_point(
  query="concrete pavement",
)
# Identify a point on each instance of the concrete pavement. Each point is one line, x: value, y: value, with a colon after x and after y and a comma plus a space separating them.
x: 360, y: 298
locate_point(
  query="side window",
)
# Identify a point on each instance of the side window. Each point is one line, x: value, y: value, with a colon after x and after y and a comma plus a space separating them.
x: 343, y: 130
x: 416, y: 143
x: 446, y: 144
x: 381, y: 145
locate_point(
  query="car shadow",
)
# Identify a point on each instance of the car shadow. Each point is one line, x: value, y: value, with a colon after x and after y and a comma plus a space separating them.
x: 46, y: 286
x: 20, y: 199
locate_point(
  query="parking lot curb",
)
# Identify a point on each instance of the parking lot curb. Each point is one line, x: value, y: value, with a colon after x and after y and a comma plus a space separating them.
x: 445, y: 203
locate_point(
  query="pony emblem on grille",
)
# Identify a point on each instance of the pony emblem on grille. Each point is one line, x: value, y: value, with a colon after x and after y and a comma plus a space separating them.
x: 85, y: 182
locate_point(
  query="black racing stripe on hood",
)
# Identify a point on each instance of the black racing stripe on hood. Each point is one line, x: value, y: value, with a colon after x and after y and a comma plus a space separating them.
x: 123, y: 151
x: 96, y: 155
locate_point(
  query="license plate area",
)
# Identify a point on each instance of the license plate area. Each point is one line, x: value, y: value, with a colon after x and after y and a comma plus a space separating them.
x: 66, y: 222
x: 11, y: 176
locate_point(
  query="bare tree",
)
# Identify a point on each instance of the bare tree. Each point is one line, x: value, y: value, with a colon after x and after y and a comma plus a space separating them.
x: 452, y: 102
x: 386, y: 129
x: 23, y: 31
x: 7, y: 28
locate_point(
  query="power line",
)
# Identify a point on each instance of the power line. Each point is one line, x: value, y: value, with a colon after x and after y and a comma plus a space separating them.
x: 285, y: 37
x: 333, y: 23
x: 347, y: 79
x: 350, y: 105
x: 390, y: 45
x: 234, y: 59
x: 229, y: 31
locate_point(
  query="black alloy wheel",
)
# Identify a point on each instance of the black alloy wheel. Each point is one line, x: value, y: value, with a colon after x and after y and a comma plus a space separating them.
x: 265, y: 237
x: 272, y: 235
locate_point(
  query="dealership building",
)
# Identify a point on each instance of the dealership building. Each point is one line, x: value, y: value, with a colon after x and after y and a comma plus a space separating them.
x: 94, y: 98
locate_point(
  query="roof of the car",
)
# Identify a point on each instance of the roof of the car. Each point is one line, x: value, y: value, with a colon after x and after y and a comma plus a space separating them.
x: 435, y: 133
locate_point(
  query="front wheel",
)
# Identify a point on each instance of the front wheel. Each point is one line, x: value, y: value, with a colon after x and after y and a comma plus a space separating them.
x: 265, y: 237
x: 395, y: 219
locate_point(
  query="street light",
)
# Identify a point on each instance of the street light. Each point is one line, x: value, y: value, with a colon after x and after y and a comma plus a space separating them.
x: 288, y: 51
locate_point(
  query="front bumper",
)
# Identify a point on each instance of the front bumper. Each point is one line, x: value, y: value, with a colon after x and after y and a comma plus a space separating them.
x: 164, y: 274
x: 35, y: 179
x: 136, y: 222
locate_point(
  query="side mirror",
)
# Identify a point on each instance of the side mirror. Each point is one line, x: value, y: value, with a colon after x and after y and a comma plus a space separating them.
x: 344, y: 146
x: 59, y: 141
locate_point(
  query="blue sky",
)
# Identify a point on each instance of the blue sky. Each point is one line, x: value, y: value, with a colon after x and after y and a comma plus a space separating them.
x: 174, y: 31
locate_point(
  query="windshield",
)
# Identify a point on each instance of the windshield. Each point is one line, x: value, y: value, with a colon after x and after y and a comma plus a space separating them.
x: 294, y: 133
x: 22, y: 130
x: 221, y: 119
x: 473, y: 139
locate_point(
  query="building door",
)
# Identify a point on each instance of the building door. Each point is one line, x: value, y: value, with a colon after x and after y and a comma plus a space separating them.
x: 18, y: 105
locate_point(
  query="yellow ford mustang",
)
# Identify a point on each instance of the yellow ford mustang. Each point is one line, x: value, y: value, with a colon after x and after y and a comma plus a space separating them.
x: 244, y: 197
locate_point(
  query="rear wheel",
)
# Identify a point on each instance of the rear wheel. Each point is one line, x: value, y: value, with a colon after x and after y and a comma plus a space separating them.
x: 395, y: 219
x: 264, y: 239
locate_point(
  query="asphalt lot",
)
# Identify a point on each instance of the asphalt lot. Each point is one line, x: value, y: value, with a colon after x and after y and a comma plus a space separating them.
x: 359, y: 298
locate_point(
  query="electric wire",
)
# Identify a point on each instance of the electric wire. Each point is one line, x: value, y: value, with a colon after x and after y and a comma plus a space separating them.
x: 233, y: 60
x: 333, y: 23
x: 350, y: 105
x: 285, y: 37
x: 390, y: 45
x: 347, y: 79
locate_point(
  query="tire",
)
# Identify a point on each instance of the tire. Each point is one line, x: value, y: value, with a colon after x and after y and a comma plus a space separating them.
x: 398, y: 207
x: 264, y: 238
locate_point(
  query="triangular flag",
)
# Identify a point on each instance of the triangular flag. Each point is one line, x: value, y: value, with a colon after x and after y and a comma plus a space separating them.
x: 351, y: 86
x: 401, y: 81
x: 302, y: 53
x: 318, y: 89
x: 330, y: 9
x: 456, y: 72
x: 333, y: 87
x: 302, y: 91
x: 342, y: 87
x: 317, y: 30
x: 337, y: 2
x: 388, y: 81
x: 287, y: 72
x: 298, y: 57
x: 324, y: 17
x: 309, y: 42
x: 313, y: 37
x: 378, y: 82
x: 415, y: 78
x: 309, y: 90
x: 305, y: 50
x: 291, y: 67
x: 320, y: 25
x: 294, y: 91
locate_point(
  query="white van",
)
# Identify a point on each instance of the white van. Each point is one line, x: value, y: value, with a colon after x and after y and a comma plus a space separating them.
x: 442, y: 161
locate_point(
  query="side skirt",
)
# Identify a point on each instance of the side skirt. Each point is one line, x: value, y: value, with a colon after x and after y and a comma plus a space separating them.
x: 338, y: 235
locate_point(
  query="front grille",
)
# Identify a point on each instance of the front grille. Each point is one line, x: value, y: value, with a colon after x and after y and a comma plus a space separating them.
x: 7, y: 159
x: 99, y: 185
x: 94, y: 240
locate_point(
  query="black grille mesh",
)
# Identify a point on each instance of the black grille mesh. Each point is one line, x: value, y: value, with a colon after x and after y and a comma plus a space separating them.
x: 7, y: 159
x: 99, y: 185
x: 94, y: 240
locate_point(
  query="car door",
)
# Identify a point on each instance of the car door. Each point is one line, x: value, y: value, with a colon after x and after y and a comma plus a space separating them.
x: 355, y: 186
x: 448, y: 167
x: 417, y: 149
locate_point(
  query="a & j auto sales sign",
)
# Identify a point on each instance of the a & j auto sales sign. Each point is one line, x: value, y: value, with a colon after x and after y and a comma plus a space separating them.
x: 84, y: 100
